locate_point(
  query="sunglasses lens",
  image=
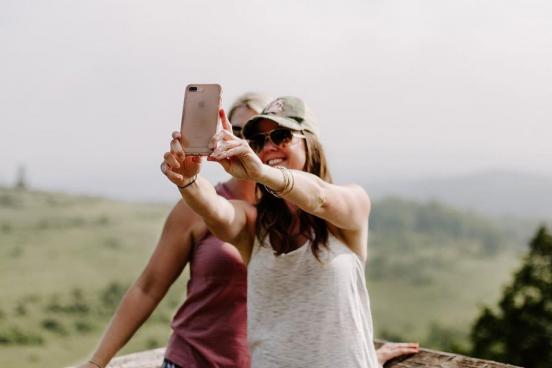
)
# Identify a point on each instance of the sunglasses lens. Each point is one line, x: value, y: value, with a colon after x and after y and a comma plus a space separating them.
x: 281, y: 136
x: 257, y: 142
x: 237, y: 131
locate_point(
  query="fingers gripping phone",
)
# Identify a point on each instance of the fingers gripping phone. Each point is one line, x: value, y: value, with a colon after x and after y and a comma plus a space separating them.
x: 199, y: 117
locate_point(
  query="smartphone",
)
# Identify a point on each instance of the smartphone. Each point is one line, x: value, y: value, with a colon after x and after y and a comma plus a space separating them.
x: 199, y: 117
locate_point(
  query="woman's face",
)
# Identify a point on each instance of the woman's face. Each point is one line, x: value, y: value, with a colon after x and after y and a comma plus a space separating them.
x: 292, y: 155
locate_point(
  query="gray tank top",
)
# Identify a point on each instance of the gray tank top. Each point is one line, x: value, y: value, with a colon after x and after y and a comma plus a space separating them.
x: 304, y: 313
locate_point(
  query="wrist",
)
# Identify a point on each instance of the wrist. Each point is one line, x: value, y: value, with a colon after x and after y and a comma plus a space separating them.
x: 96, y: 363
x: 280, y: 181
x: 265, y: 174
x: 187, y: 183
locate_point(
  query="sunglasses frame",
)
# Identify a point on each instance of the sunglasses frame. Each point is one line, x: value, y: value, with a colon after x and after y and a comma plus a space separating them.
x: 267, y: 136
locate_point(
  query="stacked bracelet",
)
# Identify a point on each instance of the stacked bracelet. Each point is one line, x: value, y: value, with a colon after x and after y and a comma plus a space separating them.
x: 289, y: 183
x: 188, y: 184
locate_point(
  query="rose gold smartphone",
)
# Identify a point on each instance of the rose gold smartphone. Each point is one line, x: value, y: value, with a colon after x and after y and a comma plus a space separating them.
x: 199, y: 117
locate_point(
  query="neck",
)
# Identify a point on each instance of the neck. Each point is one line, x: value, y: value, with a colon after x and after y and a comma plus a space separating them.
x: 242, y: 189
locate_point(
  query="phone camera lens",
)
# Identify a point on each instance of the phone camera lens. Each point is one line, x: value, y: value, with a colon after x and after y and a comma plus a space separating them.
x: 192, y: 89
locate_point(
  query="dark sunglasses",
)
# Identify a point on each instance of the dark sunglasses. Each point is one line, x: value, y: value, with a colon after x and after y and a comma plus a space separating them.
x: 279, y: 137
x: 237, y: 131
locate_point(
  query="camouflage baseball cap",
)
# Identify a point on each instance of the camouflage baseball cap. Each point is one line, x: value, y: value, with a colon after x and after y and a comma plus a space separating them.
x: 290, y: 112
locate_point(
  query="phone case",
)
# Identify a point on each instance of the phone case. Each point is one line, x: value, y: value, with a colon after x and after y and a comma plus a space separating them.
x: 199, y: 117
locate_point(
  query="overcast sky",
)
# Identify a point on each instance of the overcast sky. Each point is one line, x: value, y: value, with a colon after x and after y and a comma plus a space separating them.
x: 91, y: 90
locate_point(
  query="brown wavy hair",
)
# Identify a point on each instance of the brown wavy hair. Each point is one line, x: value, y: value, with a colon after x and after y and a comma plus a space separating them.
x: 274, y: 218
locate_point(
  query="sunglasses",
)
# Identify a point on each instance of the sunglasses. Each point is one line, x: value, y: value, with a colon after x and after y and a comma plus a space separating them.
x: 237, y: 131
x: 279, y: 137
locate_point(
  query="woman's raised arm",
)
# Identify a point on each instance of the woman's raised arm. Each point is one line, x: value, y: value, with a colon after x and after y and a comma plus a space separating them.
x: 225, y: 219
x: 346, y: 207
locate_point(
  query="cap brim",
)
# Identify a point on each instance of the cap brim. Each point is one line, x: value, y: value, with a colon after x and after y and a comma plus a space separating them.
x: 249, y: 127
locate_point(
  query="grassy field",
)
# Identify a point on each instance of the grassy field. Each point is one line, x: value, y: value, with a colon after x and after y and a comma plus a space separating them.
x: 442, y: 307
x: 53, y: 247
x: 66, y: 260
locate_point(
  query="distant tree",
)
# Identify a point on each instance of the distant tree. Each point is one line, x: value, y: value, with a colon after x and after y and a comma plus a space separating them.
x: 21, y: 179
x: 521, y: 331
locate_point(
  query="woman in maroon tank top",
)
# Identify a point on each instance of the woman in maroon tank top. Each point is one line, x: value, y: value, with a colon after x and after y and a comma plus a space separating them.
x: 209, y: 328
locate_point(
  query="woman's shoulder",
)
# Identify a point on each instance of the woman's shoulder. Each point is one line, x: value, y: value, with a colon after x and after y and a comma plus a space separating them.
x: 357, y: 190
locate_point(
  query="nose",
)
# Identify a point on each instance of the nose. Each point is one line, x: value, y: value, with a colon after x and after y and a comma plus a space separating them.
x: 268, y: 146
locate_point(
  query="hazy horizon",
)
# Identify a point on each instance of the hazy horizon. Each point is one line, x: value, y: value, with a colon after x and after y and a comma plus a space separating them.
x: 402, y: 90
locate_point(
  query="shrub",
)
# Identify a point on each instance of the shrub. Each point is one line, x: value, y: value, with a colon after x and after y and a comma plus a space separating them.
x: 53, y: 325
x: 6, y: 227
x: 103, y: 220
x: 15, y: 336
x: 112, y: 243
x: 519, y: 331
x: 152, y: 343
x: 111, y: 296
x: 446, y: 339
x: 82, y: 326
x: 21, y: 309
x: 76, y: 305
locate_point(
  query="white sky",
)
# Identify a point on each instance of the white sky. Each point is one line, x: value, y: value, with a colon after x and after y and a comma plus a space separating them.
x: 91, y: 90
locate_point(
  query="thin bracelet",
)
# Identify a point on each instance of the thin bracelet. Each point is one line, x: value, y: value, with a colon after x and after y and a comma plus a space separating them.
x: 190, y: 183
x: 289, y: 183
x: 94, y: 363
x: 276, y: 193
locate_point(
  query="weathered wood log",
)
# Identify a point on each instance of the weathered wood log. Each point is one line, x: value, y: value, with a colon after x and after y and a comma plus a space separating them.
x: 439, y: 359
x: 425, y: 358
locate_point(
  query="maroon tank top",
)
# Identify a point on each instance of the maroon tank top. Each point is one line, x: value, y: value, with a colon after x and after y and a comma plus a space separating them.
x: 210, y: 327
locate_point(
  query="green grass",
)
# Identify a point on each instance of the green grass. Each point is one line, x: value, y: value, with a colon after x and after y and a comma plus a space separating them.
x: 60, y: 253
x: 53, y: 243
x: 450, y: 298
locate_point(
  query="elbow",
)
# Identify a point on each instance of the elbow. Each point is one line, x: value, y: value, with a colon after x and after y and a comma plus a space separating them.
x: 146, y: 285
x: 220, y: 229
x: 319, y: 202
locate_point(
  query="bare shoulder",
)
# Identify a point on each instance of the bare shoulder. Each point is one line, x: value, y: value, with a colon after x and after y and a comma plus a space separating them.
x: 358, y: 195
x: 358, y: 191
x: 182, y: 219
x: 355, y: 234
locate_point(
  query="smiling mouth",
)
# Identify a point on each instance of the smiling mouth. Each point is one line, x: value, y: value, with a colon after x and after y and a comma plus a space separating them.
x: 274, y: 161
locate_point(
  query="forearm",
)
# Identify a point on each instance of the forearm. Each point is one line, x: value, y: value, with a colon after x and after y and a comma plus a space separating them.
x: 308, y: 191
x: 216, y: 211
x: 135, y: 307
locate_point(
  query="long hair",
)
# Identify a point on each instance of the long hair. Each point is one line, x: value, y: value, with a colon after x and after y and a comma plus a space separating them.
x: 274, y: 218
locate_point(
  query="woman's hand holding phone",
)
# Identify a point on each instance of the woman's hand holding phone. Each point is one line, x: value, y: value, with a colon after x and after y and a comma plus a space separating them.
x: 179, y: 168
x: 233, y: 153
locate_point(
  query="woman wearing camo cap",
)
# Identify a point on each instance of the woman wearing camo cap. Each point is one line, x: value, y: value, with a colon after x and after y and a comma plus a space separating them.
x: 305, y: 241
